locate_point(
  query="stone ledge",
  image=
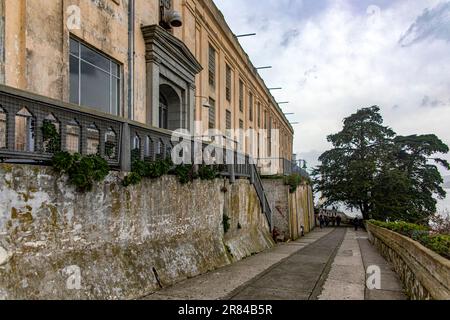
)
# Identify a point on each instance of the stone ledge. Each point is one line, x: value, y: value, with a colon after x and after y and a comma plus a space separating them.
x: 425, y: 274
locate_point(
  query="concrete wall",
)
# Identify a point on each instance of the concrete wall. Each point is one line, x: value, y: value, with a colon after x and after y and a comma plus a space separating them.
x: 424, y: 273
x: 290, y: 211
x: 122, y: 243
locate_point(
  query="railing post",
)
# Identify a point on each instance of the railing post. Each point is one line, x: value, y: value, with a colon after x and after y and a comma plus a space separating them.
x: 232, y: 167
x: 125, y: 150
x: 252, y: 173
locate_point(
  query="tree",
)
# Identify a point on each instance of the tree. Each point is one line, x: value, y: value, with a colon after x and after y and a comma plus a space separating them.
x: 379, y: 173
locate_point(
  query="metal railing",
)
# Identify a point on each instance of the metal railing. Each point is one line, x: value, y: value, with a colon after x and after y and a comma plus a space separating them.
x: 279, y: 166
x: 87, y: 131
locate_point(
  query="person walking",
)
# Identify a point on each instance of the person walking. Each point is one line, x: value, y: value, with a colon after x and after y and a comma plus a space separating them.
x: 321, y: 221
x: 338, y: 221
x: 355, y: 223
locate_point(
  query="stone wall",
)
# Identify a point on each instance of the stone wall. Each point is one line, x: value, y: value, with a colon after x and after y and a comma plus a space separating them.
x: 290, y: 211
x: 424, y: 273
x: 117, y: 242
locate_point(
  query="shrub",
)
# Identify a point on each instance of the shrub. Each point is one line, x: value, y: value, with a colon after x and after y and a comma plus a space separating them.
x: 132, y: 179
x: 83, y: 171
x: 208, y: 172
x: 294, y: 180
x: 141, y: 169
x: 439, y: 243
x: 185, y: 173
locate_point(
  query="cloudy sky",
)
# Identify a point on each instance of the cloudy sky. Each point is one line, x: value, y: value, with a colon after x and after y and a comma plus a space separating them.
x: 334, y: 56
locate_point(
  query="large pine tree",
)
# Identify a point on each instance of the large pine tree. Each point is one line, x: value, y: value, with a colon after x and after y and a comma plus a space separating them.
x: 383, y: 175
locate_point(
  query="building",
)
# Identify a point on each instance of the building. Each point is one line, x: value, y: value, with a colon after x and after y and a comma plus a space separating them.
x: 157, y: 62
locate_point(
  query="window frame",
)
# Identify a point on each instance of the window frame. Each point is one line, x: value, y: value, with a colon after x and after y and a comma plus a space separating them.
x: 112, y: 77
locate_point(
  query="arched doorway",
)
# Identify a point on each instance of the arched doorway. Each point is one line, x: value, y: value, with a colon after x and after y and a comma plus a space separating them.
x: 170, y: 116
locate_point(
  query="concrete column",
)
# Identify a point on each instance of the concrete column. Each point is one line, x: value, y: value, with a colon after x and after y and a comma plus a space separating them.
x: 191, y: 109
x: 153, y: 93
x: 125, y: 148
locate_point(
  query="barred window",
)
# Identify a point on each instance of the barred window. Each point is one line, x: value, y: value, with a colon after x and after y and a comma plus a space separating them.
x: 228, y: 83
x: 241, y: 124
x: 228, y: 119
x: 212, y: 114
x: 212, y: 66
x: 241, y: 96
x: 250, y: 106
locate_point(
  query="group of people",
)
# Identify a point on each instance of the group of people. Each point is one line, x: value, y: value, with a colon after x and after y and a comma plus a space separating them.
x: 329, y: 220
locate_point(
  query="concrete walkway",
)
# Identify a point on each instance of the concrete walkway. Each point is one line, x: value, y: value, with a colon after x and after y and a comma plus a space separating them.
x: 327, y: 264
x: 221, y: 283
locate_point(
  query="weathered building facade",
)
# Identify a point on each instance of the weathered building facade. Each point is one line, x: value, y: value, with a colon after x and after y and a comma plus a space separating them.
x: 114, y: 56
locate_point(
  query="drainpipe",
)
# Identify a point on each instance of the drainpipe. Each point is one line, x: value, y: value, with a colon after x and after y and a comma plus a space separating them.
x: 131, y: 48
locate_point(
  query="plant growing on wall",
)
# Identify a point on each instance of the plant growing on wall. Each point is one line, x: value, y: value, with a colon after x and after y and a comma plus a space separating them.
x: 208, y: 172
x: 294, y: 181
x: 51, y: 137
x: 142, y: 169
x: 83, y: 171
x: 226, y: 223
x: 185, y: 173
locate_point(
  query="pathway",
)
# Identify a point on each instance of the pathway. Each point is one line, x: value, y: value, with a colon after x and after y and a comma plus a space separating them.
x: 328, y: 264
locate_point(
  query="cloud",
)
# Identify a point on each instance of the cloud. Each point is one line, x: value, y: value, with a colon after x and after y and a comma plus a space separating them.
x: 431, y: 24
x: 345, y: 55
x: 433, y: 103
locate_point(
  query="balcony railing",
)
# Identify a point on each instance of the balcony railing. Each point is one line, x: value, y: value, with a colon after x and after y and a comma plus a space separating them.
x: 279, y: 166
x: 23, y: 116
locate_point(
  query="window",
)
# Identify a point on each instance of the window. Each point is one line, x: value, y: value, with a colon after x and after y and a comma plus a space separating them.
x: 163, y: 112
x: 212, y: 114
x: 95, y: 80
x: 250, y: 106
x: 241, y: 124
x: 212, y: 66
x: 241, y: 96
x: 228, y: 83
x: 269, y: 138
x: 228, y: 119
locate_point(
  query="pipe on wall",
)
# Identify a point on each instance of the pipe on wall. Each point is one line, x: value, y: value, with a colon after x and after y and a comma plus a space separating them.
x: 131, y: 54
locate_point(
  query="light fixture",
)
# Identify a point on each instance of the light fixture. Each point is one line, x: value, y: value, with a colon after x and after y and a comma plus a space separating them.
x: 275, y: 89
x: 246, y: 35
x: 289, y: 114
x: 260, y: 68
x: 285, y: 102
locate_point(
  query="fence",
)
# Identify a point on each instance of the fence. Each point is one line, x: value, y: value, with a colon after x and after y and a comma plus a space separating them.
x: 23, y: 138
x: 279, y: 166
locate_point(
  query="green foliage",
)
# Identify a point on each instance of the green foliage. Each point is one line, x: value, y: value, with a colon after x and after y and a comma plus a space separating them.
x: 109, y: 149
x: 379, y: 173
x: 142, y: 169
x: 83, y: 171
x: 439, y: 243
x: 402, y: 227
x: 226, y: 223
x: 208, y: 172
x: 51, y: 137
x: 132, y: 179
x: 294, y: 181
x: 185, y: 173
